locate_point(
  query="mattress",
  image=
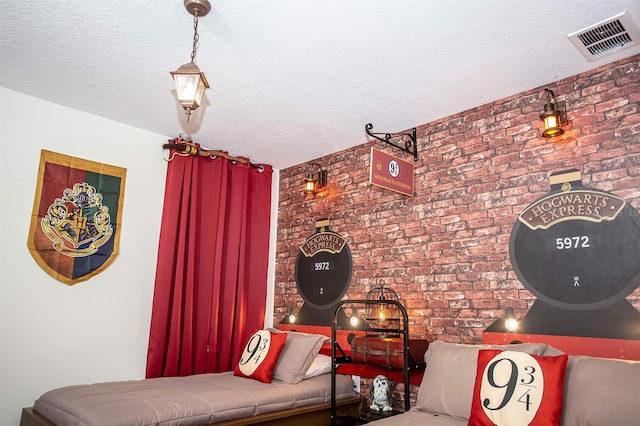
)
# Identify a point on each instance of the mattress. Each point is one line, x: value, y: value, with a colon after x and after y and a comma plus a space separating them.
x: 186, y: 401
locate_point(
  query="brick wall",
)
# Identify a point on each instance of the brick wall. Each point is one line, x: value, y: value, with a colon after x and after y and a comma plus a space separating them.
x: 446, y: 249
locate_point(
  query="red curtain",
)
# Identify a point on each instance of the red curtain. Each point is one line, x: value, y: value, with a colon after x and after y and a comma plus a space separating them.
x: 211, y: 277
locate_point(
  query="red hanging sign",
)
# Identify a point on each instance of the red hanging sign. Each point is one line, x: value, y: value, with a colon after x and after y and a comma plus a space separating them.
x: 391, y: 172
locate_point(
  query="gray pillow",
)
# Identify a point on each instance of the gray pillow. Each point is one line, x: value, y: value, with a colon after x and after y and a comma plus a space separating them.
x: 297, y: 355
x: 551, y: 351
x: 450, y: 375
x: 601, y: 391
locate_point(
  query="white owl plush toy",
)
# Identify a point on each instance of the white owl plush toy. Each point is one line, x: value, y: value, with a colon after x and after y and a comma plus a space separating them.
x: 380, y: 394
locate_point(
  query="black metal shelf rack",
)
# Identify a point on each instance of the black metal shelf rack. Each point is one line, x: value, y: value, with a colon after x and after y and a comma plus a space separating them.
x: 401, y: 330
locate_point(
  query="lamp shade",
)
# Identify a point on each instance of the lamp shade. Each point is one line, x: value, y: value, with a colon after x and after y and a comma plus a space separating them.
x: 551, y: 119
x: 553, y: 116
x: 190, y: 85
x: 309, y: 185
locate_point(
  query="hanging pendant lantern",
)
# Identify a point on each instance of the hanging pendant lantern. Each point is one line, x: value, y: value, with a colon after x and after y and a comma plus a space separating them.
x: 190, y: 82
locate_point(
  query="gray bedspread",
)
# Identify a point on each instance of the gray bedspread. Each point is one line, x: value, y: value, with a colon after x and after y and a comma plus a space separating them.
x: 185, y: 401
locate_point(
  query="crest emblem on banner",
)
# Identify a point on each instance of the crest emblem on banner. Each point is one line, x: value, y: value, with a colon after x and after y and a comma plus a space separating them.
x: 76, y: 218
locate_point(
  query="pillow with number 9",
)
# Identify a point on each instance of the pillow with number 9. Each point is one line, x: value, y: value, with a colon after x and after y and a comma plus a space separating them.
x: 517, y: 389
x: 260, y: 355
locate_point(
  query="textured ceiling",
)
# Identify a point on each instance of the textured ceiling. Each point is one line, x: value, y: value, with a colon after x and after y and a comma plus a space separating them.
x: 293, y: 80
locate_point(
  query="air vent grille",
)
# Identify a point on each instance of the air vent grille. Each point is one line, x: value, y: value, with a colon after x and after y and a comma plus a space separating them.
x: 606, y: 37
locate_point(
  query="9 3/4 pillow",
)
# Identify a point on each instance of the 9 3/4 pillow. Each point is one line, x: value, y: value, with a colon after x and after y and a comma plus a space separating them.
x: 517, y: 389
x: 260, y: 355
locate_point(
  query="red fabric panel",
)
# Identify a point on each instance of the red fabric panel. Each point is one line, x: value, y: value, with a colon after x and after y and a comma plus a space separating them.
x: 57, y: 178
x: 214, y: 242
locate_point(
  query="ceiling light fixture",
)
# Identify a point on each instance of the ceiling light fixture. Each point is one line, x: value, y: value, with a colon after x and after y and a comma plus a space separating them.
x: 190, y: 81
x: 554, y: 116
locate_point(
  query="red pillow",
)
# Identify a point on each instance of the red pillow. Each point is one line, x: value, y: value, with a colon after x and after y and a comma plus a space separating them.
x: 260, y: 355
x: 517, y: 389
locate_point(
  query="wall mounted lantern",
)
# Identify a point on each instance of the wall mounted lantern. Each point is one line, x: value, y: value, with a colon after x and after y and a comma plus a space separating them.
x: 354, y: 319
x: 315, y: 179
x: 190, y: 81
x: 510, y: 321
x: 554, y: 116
x: 292, y: 315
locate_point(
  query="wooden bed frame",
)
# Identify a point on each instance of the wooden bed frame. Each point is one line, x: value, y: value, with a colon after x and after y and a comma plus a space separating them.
x: 308, y: 415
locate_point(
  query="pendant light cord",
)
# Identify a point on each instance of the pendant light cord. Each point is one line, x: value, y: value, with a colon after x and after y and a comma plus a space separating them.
x: 196, y: 36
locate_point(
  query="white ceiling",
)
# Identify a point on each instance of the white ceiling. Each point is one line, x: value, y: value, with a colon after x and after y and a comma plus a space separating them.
x: 293, y: 80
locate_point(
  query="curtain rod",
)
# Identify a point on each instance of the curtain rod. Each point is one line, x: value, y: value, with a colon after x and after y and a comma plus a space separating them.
x: 185, y: 148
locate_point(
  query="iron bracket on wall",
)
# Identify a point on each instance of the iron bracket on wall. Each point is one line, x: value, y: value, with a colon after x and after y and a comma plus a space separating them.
x: 410, y: 145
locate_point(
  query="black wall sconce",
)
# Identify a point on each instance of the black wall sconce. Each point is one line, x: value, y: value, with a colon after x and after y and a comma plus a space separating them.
x: 315, y: 179
x: 510, y: 321
x: 355, y: 320
x: 554, y: 116
x: 291, y: 316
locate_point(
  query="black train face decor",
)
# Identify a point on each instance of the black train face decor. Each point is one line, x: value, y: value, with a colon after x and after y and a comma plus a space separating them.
x: 323, y: 273
x: 577, y: 249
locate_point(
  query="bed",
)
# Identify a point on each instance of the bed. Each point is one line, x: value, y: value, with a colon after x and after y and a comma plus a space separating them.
x: 297, y: 392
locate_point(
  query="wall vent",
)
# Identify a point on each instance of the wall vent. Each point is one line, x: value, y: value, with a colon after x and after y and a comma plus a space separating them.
x: 606, y: 37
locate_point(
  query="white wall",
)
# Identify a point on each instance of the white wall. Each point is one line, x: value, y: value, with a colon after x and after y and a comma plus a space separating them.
x: 52, y: 334
x: 271, y: 271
